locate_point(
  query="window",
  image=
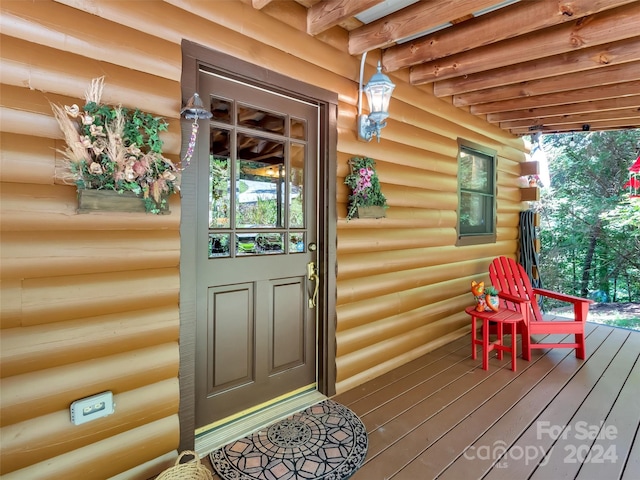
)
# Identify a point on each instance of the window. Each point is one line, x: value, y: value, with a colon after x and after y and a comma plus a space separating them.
x: 476, y: 194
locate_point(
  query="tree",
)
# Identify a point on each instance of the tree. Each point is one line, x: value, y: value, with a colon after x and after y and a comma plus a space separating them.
x: 590, y: 229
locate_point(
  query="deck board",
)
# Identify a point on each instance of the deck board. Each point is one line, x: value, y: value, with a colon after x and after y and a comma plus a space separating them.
x: 442, y: 416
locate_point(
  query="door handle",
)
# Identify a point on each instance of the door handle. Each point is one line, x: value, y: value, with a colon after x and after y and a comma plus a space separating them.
x: 312, y: 275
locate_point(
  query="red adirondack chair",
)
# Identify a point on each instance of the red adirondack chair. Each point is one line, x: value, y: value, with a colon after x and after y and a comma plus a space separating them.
x: 510, y: 277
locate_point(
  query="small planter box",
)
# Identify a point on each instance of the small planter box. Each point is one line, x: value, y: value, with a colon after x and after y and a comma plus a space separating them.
x: 370, y: 212
x: 111, y: 201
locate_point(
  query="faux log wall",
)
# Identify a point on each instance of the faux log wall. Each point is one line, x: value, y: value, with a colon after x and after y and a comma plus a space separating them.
x: 90, y: 302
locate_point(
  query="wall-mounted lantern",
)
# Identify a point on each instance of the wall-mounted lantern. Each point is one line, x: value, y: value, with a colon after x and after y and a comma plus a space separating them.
x: 378, y: 91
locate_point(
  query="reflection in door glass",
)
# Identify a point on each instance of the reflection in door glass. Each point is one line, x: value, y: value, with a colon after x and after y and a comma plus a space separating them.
x: 260, y: 185
x: 218, y: 245
x: 296, y: 242
x: 219, y: 180
x: 296, y: 183
x: 298, y: 129
x: 221, y: 109
x: 270, y: 243
x: 261, y: 119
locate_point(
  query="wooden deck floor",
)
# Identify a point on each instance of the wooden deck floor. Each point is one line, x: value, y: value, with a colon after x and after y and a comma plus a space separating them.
x: 442, y: 416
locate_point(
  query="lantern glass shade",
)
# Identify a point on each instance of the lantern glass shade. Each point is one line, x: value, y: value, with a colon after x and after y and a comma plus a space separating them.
x: 378, y: 91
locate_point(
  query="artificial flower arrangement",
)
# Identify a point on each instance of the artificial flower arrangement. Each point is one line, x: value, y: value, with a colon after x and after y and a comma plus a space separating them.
x: 365, y: 186
x: 118, y: 149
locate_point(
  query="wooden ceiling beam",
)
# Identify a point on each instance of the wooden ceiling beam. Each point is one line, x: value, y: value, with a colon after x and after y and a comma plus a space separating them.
x: 631, y: 101
x: 604, y: 27
x: 624, y: 113
x: 260, y: 4
x: 591, y: 78
x: 581, y: 60
x: 508, y: 22
x: 559, y: 98
x: 578, y: 127
x: 410, y: 21
x: 324, y: 15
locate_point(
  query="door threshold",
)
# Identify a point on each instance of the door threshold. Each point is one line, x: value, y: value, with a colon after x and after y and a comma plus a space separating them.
x: 233, y: 430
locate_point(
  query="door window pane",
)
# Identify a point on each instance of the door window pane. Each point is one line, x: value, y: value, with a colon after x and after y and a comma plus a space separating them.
x: 257, y: 119
x: 221, y: 109
x: 219, y: 179
x: 298, y: 129
x: 259, y: 182
x: 263, y: 243
x: 296, y: 242
x: 219, y: 245
x: 296, y: 186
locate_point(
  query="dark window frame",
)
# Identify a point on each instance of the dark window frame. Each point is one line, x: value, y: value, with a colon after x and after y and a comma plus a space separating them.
x: 468, y: 236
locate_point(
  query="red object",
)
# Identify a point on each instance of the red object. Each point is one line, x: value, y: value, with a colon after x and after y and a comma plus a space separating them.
x: 636, y: 166
x: 633, y: 183
x: 511, y: 278
x: 510, y: 317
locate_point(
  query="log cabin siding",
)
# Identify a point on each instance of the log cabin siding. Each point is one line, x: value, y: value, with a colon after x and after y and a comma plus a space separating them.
x: 90, y: 302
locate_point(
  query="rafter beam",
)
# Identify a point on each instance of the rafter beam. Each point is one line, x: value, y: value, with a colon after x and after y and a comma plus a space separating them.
x: 578, y: 61
x: 625, y: 113
x: 324, y: 15
x: 260, y: 4
x: 631, y: 101
x: 560, y: 83
x: 410, y: 21
x: 577, y: 127
x: 604, y: 27
x: 559, y: 98
x: 511, y: 21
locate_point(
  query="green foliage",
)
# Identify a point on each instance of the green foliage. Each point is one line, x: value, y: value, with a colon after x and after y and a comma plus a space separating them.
x: 491, y: 290
x: 590, y: 229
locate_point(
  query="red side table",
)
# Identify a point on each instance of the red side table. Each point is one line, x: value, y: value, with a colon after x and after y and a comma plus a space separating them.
x: 503, y: 316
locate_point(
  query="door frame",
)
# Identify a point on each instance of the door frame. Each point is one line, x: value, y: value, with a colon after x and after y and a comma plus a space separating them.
x: 193, y: 56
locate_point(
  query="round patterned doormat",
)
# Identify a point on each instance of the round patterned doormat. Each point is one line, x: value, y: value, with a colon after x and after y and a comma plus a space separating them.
x: 326, y: 441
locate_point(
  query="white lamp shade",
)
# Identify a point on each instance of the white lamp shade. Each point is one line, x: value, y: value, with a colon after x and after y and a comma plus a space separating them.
x: 378, y: 91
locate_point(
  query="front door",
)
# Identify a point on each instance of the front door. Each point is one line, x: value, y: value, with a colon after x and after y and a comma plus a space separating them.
x: 255, y: 248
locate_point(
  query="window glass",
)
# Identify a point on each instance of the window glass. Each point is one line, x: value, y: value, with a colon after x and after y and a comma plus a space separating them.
x: 219, y: 179
x: 257, y: 119
x: 256, y: 181
x: 476, y: 193
x: 221, y: 109
x: 296, y: 185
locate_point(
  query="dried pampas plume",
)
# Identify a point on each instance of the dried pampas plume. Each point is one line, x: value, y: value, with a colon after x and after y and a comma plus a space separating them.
x: 115, y: 145
x: 94, y: 92
x: 75, y: 151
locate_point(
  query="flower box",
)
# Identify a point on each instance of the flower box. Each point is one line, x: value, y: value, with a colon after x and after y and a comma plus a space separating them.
x: 113, y: 149
x: 366, y: 199
x: 370, y: 212
x: 112, y: 201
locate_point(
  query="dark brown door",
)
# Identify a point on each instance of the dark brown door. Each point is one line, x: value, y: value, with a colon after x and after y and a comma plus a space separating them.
x: 256, y: 237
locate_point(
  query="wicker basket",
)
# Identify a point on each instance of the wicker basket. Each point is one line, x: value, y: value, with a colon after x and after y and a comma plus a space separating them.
x: 191, y: 470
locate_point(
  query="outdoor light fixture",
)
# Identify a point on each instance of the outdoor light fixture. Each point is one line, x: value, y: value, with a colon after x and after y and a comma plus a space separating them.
x: 378, y: 91
x: 193, y: 110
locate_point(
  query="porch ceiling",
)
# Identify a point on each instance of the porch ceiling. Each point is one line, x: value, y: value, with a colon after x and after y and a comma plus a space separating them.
x: 527, y: 66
